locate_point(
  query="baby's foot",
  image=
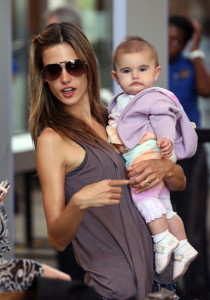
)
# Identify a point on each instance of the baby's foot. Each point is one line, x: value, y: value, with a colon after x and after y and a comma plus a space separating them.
x: 182, y: 259
x: 163, y: 251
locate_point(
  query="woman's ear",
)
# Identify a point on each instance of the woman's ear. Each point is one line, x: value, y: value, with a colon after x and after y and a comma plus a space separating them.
x: 114, y: 76
x: 157, y: 72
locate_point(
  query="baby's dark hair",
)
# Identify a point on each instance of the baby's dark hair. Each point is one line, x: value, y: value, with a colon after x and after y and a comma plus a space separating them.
x: 184, y: 24
x: 134, y: 44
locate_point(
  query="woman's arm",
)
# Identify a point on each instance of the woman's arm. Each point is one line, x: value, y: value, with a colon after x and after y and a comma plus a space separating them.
x: 50, y: 161
x: 63, y: 221
x: 150, y: 172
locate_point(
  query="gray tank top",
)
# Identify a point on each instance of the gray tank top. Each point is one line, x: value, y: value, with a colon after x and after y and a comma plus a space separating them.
x: 113, y: 244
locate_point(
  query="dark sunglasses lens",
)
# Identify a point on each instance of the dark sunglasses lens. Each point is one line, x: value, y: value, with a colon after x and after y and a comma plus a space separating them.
x: 52, y: 72
x: 75, y: 67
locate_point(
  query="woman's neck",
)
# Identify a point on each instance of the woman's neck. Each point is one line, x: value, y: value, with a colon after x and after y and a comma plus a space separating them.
x: 82, y: 112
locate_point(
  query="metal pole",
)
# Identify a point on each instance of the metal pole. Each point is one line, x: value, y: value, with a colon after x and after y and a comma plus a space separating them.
x: 6, y: 157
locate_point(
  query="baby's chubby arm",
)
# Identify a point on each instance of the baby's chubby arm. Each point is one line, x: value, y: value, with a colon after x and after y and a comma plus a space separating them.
x: 166, y: 146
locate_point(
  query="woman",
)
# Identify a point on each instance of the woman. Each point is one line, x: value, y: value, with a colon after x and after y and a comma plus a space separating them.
x: 83, y: 179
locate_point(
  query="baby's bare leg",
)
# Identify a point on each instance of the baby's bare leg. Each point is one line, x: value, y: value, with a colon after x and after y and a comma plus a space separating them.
x: 176, y: 227
x: 158, y: 225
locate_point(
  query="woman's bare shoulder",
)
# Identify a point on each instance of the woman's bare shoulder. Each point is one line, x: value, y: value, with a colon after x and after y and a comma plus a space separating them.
x: 49, y: 135
x: 52, y: 140
x: 52, y: 146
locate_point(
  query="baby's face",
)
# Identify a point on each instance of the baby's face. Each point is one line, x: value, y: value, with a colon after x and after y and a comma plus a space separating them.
x: 136, y: 71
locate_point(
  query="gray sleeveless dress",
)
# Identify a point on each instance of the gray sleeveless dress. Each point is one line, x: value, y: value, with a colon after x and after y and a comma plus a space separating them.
x: 113, y: 244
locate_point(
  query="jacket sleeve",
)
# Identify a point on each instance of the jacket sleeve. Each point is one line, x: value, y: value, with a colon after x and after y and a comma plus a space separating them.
x: 170, y: 120
x: 163, y: 116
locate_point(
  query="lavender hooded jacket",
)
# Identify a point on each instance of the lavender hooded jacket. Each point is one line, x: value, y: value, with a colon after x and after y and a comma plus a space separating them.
x: 156, y: 110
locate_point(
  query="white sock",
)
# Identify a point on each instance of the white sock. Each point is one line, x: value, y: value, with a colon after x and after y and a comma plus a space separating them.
x: 181, y: 243
x: 158, y: 237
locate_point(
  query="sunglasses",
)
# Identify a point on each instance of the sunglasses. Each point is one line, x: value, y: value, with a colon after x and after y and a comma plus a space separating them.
x: 74, y: 67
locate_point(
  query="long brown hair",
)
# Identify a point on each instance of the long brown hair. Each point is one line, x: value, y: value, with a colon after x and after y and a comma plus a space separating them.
x: 45, y: 109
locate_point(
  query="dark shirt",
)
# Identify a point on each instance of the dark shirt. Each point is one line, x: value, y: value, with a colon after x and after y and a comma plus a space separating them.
x: 182, y: 84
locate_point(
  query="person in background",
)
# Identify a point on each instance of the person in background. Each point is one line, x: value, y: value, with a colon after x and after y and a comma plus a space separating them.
x: 149, y: 122
x: 65, y: 13
x: 189, y: 78
x: 19, y: 274
x: 83, y: 178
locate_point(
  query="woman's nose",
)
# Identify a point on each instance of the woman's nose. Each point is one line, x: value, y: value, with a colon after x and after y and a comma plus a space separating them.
x: 65, y: 76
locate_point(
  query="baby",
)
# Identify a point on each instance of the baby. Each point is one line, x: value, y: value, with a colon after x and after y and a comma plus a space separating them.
x: 147, y: 122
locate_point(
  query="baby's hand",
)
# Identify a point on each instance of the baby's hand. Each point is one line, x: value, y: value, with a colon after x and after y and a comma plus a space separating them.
x: 165, y: 146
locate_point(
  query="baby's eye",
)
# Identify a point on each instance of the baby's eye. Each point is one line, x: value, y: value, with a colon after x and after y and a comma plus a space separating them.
x: 126, y: 71
x: 142, y: 69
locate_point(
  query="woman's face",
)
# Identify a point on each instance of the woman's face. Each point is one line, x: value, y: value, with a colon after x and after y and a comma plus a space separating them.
x: 176, y: 41
x: 70, y: 90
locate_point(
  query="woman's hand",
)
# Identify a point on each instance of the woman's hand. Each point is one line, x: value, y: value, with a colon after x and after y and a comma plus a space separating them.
x: 148, y: 173
x: 105, y: 192
x: 63, y: 226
